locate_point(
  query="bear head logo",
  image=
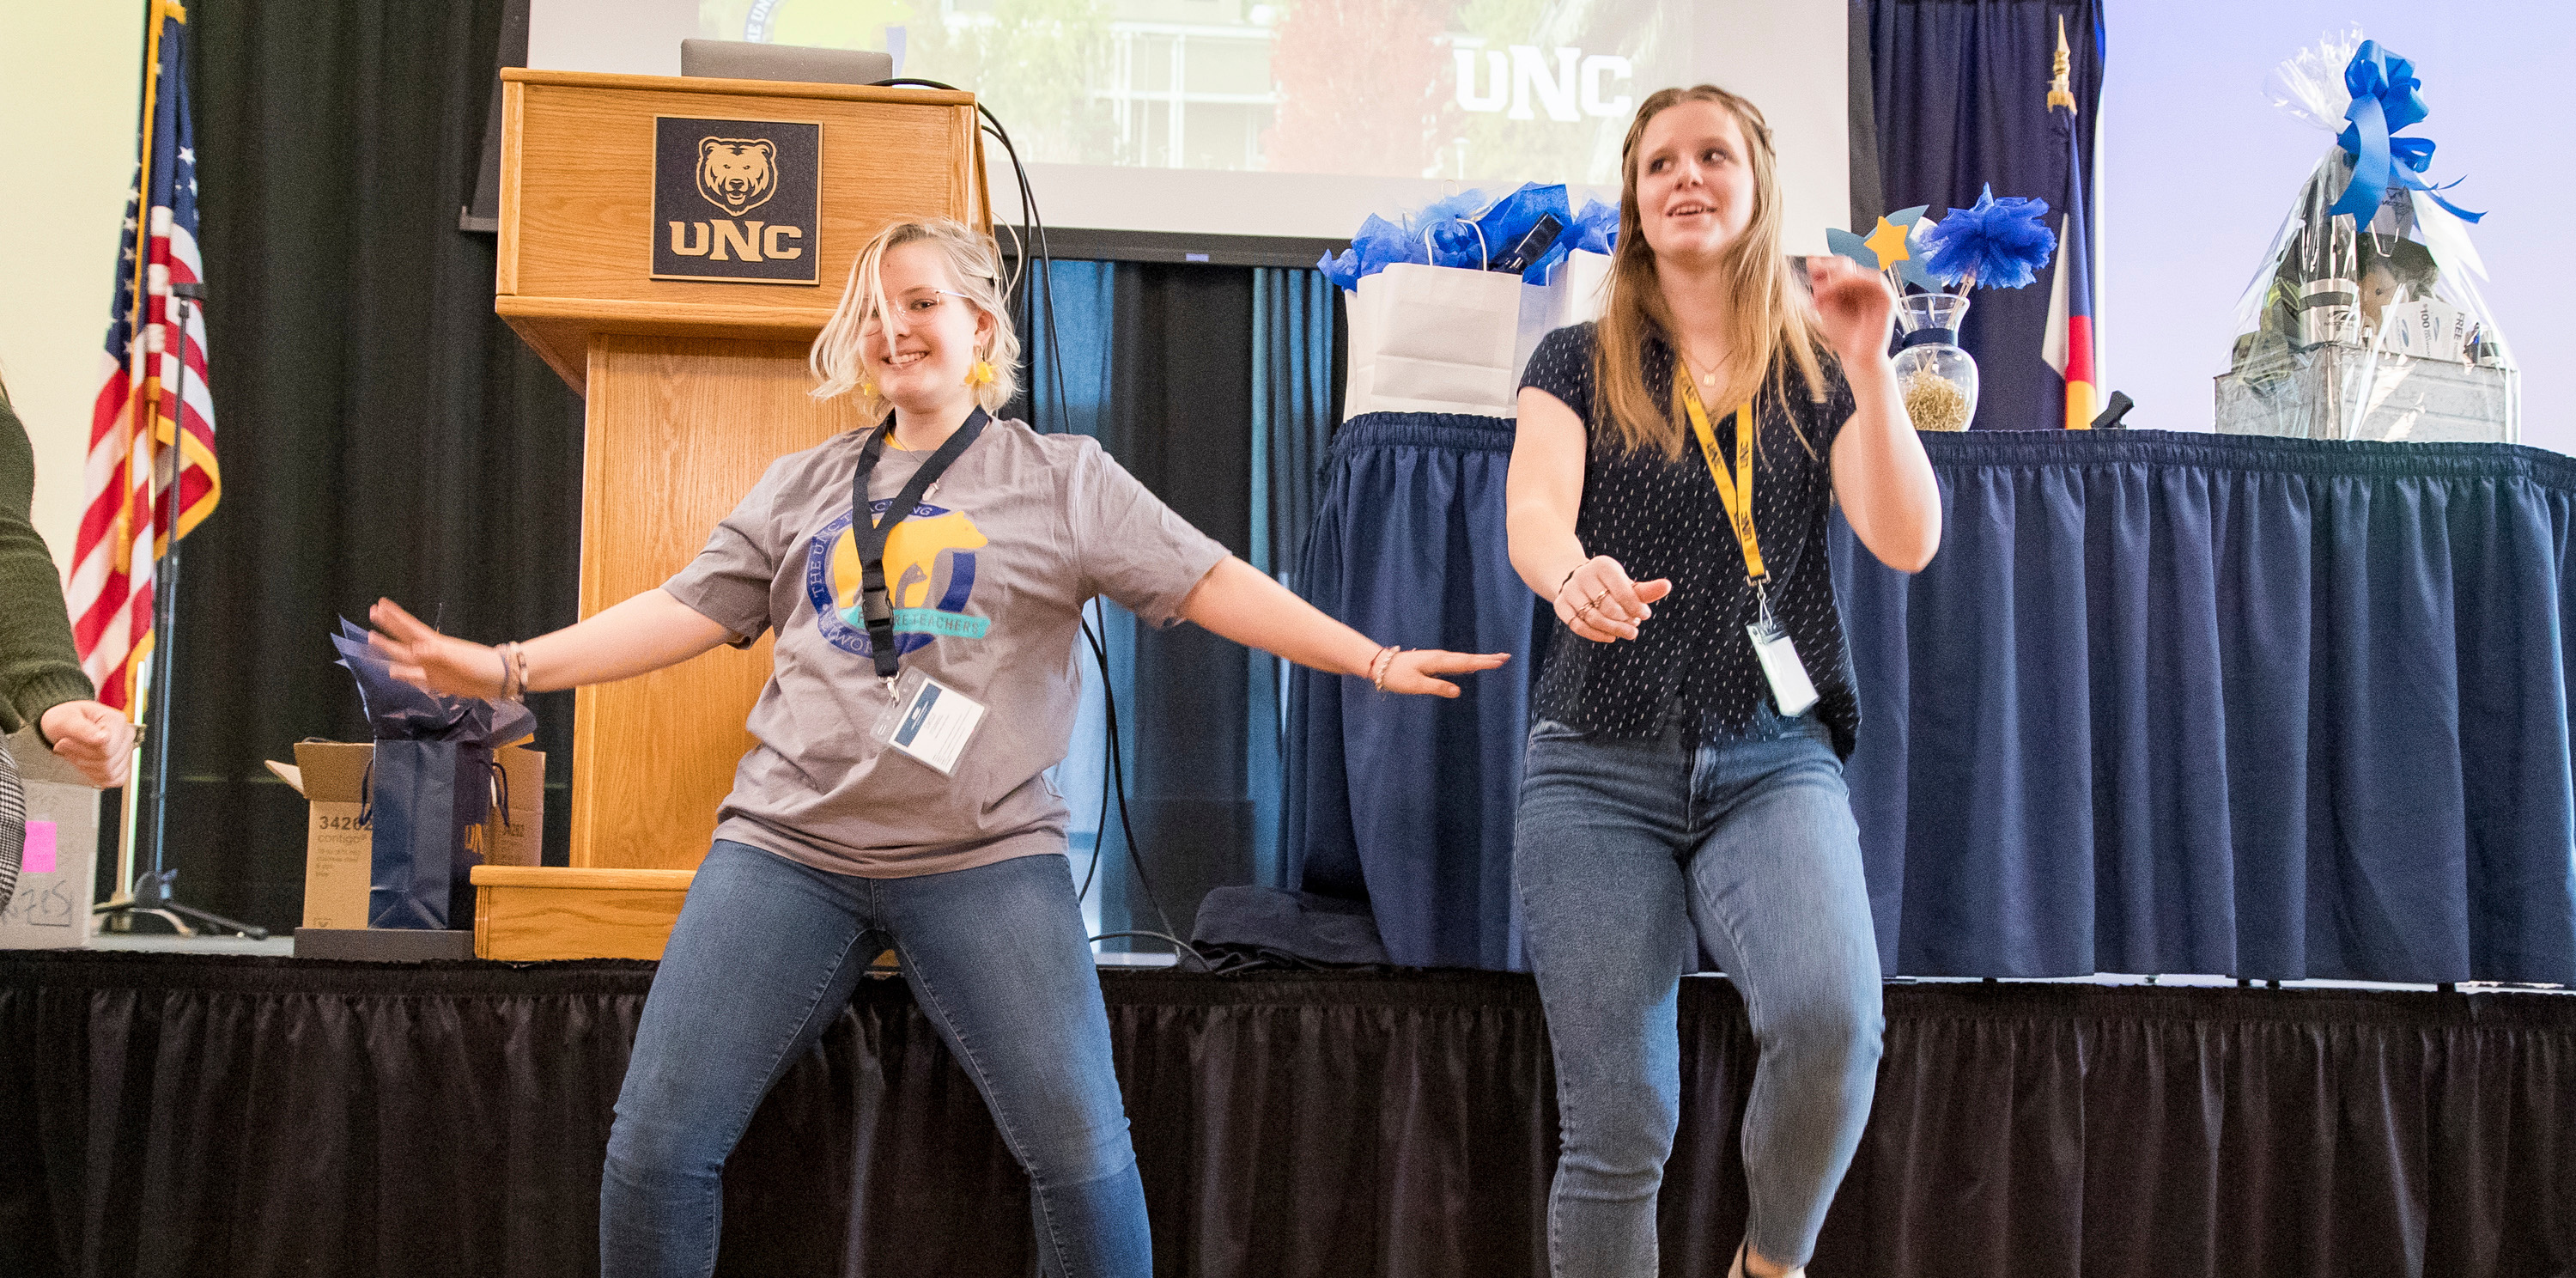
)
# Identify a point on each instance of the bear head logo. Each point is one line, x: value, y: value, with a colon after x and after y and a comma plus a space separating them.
x: 737, y: 174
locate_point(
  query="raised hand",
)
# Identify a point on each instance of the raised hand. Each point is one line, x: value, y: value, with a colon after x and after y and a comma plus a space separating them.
x: 1601, y: 603
x: 428, y: 660
x: 92, y: 738
x: 1411, y: 672
x: 1853, y: 309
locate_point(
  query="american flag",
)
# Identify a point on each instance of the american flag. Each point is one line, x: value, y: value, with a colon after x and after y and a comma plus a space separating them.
x: 139, y: 419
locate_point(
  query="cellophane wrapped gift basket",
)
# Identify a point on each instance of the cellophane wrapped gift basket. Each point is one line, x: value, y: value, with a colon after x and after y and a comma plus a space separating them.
x: 2365, y: 320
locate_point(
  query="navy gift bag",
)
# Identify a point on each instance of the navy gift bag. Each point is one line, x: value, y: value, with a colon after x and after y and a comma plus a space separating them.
x: 428, y: 789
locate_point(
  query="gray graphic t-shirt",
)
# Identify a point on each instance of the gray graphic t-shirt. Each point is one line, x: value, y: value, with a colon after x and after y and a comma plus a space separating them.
x: 988, y: 575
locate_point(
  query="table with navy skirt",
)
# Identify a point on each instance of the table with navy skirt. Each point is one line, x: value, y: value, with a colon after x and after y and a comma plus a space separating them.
x: 2163, y: 703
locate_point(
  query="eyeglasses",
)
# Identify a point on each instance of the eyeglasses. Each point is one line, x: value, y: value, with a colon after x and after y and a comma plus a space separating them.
x: 925, y: 305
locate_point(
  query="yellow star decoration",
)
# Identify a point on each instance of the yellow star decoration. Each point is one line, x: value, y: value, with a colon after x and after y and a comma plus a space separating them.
x: 1888, y: 241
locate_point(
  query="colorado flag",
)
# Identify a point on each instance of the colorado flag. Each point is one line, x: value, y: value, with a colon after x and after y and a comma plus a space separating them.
x: 2068, y: 346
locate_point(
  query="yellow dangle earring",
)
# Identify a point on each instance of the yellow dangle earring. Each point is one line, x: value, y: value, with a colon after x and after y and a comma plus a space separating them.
x: 981, y: 374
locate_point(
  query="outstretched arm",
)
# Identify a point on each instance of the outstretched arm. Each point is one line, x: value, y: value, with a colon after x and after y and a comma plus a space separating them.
x: 1243, y: 604
x: 639, y: 636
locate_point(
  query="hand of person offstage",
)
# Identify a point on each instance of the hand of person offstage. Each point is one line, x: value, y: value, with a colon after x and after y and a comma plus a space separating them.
x: 1411, y: 672
x: 92, y: 738
x: 1600, y: 603
x: 428, y: 660
x: 1853, y: 309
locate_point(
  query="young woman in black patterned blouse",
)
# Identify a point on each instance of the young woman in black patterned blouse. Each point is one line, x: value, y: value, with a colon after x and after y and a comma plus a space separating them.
x: 1684, y: 785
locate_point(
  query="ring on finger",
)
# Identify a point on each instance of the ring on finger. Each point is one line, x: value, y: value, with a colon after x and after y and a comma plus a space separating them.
x: 1596, y: 599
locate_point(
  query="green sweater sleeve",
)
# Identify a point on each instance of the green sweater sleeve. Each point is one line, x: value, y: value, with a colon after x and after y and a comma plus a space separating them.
x: 38, y: 670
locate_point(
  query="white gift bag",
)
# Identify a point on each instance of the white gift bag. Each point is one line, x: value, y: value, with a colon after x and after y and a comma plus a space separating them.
x: 1433, y: 339
x: 1577, y: 290
x: 1586, y: 279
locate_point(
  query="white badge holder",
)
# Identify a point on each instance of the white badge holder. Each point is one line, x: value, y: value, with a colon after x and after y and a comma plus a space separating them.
x: 1791, y: 690
x: 929, y: 721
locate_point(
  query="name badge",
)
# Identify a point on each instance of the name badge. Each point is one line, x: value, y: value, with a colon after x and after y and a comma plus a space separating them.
x: 932, y: 722
x: 1790, y: 688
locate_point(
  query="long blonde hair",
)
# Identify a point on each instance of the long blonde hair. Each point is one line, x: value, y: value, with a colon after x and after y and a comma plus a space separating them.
x: 837, y: 359
x: 1766, y: 315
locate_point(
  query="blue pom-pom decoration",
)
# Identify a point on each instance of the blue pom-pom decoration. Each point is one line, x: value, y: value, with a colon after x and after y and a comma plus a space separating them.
x: 1594, y: 230
x: 1997, y: 244
x: 1343, y: 271
x: 1467, y: 230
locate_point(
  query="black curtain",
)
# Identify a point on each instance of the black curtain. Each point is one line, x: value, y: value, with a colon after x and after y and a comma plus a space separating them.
x: 383, y: 432
x: 1180, y: 420
x: 258, y: 1117
x: 1960, y: 91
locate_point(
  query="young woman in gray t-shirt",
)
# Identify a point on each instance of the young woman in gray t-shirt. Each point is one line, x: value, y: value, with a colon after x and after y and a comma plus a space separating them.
x: 914, y: 808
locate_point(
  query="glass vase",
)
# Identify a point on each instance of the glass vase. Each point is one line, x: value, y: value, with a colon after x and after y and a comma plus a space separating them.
x: 1938, y: 379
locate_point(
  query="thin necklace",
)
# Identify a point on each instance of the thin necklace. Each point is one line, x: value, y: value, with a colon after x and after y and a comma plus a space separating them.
x: 1707, y: 379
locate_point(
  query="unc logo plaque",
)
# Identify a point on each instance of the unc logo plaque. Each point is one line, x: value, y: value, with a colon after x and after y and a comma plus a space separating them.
x: 736, y: 200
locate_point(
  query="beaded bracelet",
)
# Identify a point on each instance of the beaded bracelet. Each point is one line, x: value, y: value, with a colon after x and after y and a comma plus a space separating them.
x: 514, y: 671
x: 1382, y: 665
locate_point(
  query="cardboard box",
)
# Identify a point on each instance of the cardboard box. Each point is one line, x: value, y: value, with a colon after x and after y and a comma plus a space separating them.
x: 339, y: 850
x: 521, y: 839
x: 58, y: 870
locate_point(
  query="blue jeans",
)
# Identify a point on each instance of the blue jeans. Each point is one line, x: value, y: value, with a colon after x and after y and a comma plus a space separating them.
x: 1630, y: 854
x: 764, y: 957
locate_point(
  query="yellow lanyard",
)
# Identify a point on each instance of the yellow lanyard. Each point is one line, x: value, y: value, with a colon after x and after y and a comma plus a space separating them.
x: 1735, y: 493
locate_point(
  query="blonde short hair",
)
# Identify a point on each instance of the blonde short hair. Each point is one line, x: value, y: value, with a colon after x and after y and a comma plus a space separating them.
x: 839, y: 364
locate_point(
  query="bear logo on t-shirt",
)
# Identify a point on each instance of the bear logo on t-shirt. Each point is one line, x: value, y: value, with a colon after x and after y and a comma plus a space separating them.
x: 930, y: 579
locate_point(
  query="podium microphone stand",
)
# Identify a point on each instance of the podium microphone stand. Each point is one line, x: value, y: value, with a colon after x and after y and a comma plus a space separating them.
x: 149, y: 892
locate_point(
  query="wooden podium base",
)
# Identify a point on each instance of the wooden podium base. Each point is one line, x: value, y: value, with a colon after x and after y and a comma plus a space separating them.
x: 526, y: 913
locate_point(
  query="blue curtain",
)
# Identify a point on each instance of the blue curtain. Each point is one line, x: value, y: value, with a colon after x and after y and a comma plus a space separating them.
x: 1408, y: 802
x: 1068, y: 351
x: 2241, y: 705
x: 1960, y: 91
x: 1292, y: 389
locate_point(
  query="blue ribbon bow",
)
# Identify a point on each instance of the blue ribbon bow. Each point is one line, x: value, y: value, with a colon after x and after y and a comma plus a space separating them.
x: 2384, y: 100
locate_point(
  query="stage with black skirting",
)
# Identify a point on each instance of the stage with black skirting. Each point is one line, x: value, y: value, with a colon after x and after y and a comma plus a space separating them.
x: 254, y: 1116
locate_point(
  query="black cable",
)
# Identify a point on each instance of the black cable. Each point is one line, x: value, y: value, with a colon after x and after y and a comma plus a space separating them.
x: 1100, y: 823
x: 1036, y: 296
x: 992, y: 125
x: 1027, y: 296
x: 1118, y: 778
x: 1026, y: 301
x: 1044, y: 286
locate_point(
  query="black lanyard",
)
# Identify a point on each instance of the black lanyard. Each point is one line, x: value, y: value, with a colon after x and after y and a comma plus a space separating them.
x: 871, y: 533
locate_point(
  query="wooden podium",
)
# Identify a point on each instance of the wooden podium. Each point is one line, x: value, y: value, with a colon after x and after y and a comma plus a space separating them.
x: 671, y: 246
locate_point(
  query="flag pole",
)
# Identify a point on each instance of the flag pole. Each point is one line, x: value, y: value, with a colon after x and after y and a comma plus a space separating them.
x: 112, y: 913
x: 165, y: 583
x: 150, y: 893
